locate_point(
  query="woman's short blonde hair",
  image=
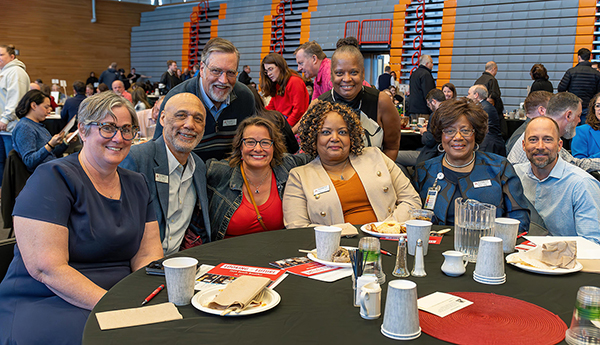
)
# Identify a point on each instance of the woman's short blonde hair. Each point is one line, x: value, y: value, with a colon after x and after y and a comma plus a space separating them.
x: 96, y: 107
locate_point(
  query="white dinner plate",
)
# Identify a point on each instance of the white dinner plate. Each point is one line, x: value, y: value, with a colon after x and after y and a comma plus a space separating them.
x: 554, y: 271
x: 270, y: 299
x: 379, y: 234
x: 312, y: 255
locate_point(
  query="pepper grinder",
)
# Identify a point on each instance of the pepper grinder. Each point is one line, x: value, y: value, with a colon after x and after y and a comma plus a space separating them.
x: 400, y: 270
x: 419, y: 269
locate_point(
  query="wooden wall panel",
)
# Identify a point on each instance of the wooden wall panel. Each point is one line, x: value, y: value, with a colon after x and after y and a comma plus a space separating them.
x: 57, y: 39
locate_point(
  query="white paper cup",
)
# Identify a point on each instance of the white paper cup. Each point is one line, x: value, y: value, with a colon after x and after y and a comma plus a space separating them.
x: 401, y: 315
x: 180, y: 274
x: 506, y: 229
x: 327, y: 239
x: 421, y: 120
x: 490, y: 260
x: 417, y: 229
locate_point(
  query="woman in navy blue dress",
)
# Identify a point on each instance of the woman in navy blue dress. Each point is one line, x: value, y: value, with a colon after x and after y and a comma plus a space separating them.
x: 82, y: 224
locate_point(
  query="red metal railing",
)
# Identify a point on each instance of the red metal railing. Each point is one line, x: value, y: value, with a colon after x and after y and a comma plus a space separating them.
x: 352, y: 29
x: 418, y: 40
x: 197, y: 13
x: 278, y: 29
x: 375, y: 31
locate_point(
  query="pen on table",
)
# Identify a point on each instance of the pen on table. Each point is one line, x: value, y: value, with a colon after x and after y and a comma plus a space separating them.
x: 385, y: 252
x: 522, y: 234
x: 154, y: 293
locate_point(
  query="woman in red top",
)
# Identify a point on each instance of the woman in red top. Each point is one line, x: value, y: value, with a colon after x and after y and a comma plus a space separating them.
x: 250, y: 182
x: 286, y: 89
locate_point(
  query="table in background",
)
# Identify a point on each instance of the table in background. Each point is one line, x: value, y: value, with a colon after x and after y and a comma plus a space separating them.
x: 53, y: 123
x: 512, y: 125
x: 311, y: 311
x: 410, y: 140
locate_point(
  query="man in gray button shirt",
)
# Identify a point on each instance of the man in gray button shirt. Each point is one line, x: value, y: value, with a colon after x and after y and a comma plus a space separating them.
x: 176, y: 177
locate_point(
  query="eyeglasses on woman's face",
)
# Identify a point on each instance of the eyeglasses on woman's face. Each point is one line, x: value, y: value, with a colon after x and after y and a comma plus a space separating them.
x: 464, y: 132
x: 108, y: 130
x: 251, y: 143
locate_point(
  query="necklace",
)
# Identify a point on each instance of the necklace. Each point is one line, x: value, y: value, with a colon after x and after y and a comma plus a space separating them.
x: 260, y: 184
x: 343, y: 168
x: 459, y: 166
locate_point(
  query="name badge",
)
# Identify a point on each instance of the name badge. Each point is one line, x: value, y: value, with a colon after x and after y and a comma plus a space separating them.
x: 484, y: 183
x: 231, y: 122
x: 432, y: 194
x: 321, y: 190
x: 161, y: 178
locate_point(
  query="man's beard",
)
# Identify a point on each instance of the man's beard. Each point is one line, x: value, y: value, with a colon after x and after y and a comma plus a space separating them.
x: 570, y: 130
x: 542, y: 164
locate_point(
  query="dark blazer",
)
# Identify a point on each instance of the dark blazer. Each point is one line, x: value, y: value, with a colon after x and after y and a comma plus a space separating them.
x: 150, y: 159
x: 493, y: 141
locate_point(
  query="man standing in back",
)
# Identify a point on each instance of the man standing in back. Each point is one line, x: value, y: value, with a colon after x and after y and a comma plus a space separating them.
x: 581, y: 80
x: 493, y: 141
x: 313, y: 62
x: 176, y: 177
x: 110, y: 75
x: 245, y: 77
x: 170, y: 79
x: 421, y: 82
x: 71, y: 107
x: 385, y: 80
x: 226, y: 101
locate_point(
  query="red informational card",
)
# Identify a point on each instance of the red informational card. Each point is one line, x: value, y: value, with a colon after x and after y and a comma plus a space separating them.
x: 310, y: 269
x: 226, y: 273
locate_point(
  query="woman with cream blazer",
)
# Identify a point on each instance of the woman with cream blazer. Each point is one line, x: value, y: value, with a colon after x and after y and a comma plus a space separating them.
x: 310, y: 198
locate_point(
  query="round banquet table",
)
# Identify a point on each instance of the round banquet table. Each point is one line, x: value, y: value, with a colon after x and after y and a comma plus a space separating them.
x: 311, y: 311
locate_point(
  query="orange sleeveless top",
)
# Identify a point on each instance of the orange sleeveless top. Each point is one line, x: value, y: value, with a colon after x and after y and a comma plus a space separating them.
x: 355, y: 203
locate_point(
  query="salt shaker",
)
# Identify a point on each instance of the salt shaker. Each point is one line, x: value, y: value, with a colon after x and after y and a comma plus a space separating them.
x: 419, y: 269
x: 401, y: 270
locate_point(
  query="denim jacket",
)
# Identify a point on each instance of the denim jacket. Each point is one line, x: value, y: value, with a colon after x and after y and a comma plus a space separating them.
x: 225, y: 188
x: 505, y: 190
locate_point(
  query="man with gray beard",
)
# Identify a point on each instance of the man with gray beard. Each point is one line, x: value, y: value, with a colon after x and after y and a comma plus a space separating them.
x: 565, y: 109
x: 176, y: 177
x: 227, y: 101
x: 565, y: 196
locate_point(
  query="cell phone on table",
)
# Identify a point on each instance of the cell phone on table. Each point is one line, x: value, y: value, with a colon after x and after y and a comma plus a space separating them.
x: 156, y: 268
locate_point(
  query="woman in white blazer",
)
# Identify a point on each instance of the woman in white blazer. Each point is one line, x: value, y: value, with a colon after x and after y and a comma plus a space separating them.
x: 346, y: 183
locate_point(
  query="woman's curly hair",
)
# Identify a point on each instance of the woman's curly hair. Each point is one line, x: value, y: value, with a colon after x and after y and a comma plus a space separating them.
x: 451, y: 110
x: 312, y: 122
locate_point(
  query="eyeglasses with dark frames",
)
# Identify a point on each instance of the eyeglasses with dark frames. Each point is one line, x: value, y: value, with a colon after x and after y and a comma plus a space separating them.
x: 108, y: 130
x: 251, y: 143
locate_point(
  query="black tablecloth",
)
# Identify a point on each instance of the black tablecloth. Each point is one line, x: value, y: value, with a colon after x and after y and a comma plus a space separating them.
x: 512, y: 125
x: 311, y: 311
x: 410, y: 141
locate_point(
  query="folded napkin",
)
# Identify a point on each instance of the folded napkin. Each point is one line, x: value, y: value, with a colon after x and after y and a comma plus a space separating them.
x: 348, y: 230
x: 240, y: 293
x: 560, y: 254
x: 138, y: 316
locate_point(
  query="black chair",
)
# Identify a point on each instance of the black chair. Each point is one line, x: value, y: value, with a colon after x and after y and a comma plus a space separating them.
x: 15, y: 177
x: 7, y: 248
